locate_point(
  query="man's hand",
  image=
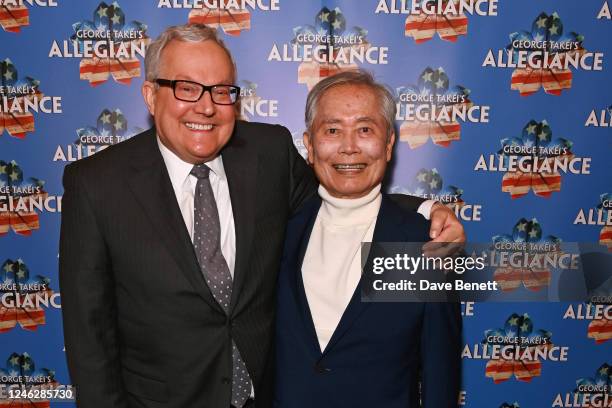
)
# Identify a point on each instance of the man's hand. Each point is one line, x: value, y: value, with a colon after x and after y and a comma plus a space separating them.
x: 445, y: 228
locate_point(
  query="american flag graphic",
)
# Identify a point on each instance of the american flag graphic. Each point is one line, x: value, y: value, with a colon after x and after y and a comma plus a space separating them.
x: 15, y: 119
x: 546, y: 29
x: 328, y: 24
x: 23, y: 365
x: 111, y: 19
x: 605, y: 235
x: 523, y: 369
x: 434, y: 87
x: 532, y: 278
x: 13, y: 17
x: 600, y: 330
x: 26, y: 313
x: 535, y: 136
x: 21, y: 222
x: 602, y: 380
x: 231, y: 20
x: 422, y: 27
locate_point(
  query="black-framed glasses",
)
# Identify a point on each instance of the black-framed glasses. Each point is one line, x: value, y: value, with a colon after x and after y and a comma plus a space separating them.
x: 190, y: 91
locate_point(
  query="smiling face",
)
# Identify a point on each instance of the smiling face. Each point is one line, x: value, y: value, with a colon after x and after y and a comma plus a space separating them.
x: 194, y: 131
x: 349, y: 146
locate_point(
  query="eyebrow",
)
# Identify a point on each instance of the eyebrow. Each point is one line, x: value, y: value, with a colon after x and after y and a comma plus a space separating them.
x: 360, y: 119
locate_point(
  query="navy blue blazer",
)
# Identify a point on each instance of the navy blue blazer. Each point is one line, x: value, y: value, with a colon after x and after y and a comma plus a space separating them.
x: 379, y: 352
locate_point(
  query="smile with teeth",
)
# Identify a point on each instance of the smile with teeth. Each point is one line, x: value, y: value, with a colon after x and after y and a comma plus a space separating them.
x: 198, y: 126
x: 353, y: 166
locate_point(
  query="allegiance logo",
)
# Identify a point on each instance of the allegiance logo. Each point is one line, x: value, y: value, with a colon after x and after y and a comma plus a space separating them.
x: 447, y: 18
x: 598, y: 313
x: 14, y: 14
x: 232, y: 16
x: 22, y: 200
x: 22, y: 297
x: 106, y: 45
x: 534, y: 161
x: 543, y: 57
x: 590, y: 392
x: 111, y: 128
x: 515, y: 350
x: 327, y: 48
x: 600, y: 215
x: 254, y: 106
x: 525, y: 257
x: 20, y: 377
x: 429, y: 184
x: 19, y: 97
x: 603, y: 118
x: 432, y: 108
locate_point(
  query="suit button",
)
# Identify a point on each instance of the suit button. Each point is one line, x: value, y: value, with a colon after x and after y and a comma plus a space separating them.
x: 225, y: 380
x: 319, y: 369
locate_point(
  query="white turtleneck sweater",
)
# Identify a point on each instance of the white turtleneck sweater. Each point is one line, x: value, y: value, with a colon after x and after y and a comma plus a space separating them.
x: 332, y: 263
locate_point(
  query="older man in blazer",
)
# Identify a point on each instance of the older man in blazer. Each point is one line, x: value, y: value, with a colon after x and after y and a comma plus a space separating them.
x: 171, y: 242
x: 333, y: 349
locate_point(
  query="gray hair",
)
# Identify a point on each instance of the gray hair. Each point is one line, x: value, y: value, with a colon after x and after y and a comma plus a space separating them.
x: 188, y: 33
x: 358, y: 77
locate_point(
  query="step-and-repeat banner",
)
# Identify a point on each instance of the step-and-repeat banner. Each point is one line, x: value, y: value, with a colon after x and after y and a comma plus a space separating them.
x: 504, y: 115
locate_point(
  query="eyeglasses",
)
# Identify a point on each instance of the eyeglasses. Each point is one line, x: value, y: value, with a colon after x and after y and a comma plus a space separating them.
x: 190, y: 91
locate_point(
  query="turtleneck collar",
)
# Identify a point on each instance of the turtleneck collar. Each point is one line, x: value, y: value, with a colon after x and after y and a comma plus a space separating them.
x: 350, y: 211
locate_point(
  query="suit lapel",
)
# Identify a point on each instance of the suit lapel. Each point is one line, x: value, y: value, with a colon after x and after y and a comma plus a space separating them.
x: 240, y: 164
x: 385, y: 230
x: 150, y: 183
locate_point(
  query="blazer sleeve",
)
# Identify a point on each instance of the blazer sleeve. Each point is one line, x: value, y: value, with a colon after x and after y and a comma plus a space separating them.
x: 441, y: 355
x: 88, y: 305
x: 302, y: 181
x: 407, y: 202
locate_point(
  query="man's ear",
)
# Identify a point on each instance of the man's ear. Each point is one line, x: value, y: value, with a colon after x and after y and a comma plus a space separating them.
x: 390, y: 143
x: 148, y: 93
x: 309, y: 148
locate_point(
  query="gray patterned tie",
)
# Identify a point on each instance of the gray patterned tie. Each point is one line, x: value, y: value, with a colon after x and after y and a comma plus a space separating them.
x: 207, y: 244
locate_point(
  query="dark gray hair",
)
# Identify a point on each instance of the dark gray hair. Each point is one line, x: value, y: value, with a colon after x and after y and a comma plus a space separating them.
x: 188, y: 33
x: 358, y: 77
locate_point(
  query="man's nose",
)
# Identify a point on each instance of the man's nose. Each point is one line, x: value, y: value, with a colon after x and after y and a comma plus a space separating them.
x: 348, y: 143
x: 205, y: 105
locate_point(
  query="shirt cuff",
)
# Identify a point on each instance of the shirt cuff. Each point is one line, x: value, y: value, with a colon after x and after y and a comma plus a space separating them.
x: 425, y: 208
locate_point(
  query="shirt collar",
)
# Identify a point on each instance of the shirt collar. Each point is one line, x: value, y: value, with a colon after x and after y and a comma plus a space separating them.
x: 179, y: 170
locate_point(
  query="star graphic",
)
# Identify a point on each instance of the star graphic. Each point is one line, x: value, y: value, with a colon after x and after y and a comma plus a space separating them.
x: 554, y: 29
x: 322, y: 31
x: 542, y: 135
x: 533, y: 233
x: 116, y: 19
x: 14, y: 360
x: 118, y: 124
x: 440, y: 83
x: 531, y: 129
x: 337, y: 24
x: 8, y: 75
x: 2, y: 169
x: 26, y: 366
x: 433, y: 184
x: 20, y: 274
x: 538, y: 37
x: 525, y: 327
x: 104, y: 132
x: 14, y: 176
x: 102, y: 11
x: 105, y: 118
x: 602, y: 370
x: 14, y: 373
x: 324, y: 16
x: 7, y: 267
x: 427, y: 76
x: 521, y: 227
x: 541, y: 23
x: 422, y: 177
x: 513, y: 321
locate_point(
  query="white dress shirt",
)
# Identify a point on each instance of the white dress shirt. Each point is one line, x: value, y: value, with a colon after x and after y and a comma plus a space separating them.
x: 184, y: 185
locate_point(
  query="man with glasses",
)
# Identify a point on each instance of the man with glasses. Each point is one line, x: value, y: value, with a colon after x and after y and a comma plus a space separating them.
x: 171, y: 242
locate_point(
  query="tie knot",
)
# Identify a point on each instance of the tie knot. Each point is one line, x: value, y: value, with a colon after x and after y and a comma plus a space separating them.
x: 201, y: 171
